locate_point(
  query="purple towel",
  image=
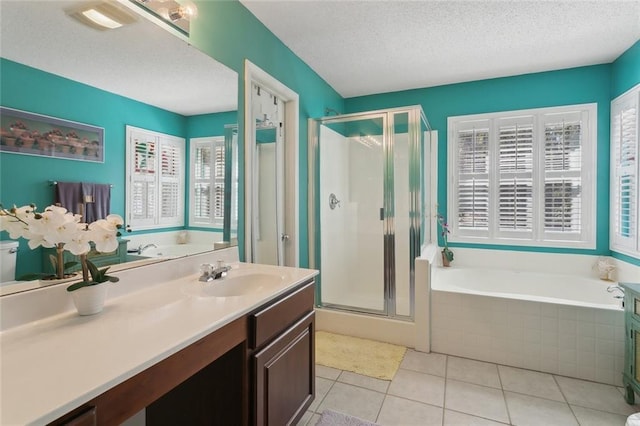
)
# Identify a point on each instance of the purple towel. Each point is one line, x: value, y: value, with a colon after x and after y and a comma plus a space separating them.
x: 69, y: 196
x: 97, y: 201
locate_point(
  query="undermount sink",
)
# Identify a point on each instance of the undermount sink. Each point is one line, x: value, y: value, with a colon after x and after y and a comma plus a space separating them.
x: 235, y: 284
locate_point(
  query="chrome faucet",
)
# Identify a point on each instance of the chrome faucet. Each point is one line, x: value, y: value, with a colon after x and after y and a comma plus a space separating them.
x: 211, y: 272
x: 141, y: 248
x: 613, y: 288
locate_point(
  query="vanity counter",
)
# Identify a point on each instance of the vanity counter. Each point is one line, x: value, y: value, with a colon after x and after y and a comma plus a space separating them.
x: 53, y: 365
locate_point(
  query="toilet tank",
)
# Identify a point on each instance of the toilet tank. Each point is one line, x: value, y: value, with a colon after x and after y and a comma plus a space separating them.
x: 8, y: 256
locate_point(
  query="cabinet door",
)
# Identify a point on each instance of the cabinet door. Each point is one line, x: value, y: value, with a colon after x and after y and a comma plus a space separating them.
x: 284, y: 375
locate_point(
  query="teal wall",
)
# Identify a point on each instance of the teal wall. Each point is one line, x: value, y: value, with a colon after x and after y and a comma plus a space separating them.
x: 565, y: 87
x: 228, y: 32
x: 625, y: 71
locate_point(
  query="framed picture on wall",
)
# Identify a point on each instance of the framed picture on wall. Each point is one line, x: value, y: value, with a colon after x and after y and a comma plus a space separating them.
x: 27, y: 133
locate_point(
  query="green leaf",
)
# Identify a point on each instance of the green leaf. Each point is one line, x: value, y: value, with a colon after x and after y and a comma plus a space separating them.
x: 79, y: 285
x: 93, y: 270
x: 70, y: 264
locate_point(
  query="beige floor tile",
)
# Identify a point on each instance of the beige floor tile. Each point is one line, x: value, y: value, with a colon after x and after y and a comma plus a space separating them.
x: 418, y: 387
x: 305, y: 418
x: 471, y: 371
x: 399, y: 411
x: 314, y: 420
x: 530, y: 383
x: 353, y: 400
x: 596, y: 396
x: 429, y: 363
x: 364, y: 381
x: 589, y: 417
x: 453, y: 418
x: 322, y: 387
x: 476, y: 400
x: 528, y: 410
x: 327, y: 372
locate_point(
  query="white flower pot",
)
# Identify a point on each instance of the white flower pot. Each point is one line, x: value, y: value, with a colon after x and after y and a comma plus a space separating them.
x: 90, y: 300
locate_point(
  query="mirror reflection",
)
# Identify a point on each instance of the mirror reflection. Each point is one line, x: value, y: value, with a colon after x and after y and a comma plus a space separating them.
x: 55, y: 66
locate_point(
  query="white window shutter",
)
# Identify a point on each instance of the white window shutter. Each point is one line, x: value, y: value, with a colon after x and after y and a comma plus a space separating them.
x: 515, y: 171
x: 207, y: 182
x: 523, y: 177
x: 472, y: 177
x: 624, y: 172
x: 563, y: 142
x: 155, y: 179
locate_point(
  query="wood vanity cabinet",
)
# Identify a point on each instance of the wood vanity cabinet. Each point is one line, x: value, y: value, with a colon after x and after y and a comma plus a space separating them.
x: 258, y: 369
x: 631, y: 375
x: 282, y: 358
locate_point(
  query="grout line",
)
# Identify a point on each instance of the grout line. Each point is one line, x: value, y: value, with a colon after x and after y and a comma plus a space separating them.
x: 444, y: 391
x: 565, y: 398
x: 504, y: 397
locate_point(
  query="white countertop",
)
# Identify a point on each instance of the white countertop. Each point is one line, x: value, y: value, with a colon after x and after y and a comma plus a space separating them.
x: 53, y: 365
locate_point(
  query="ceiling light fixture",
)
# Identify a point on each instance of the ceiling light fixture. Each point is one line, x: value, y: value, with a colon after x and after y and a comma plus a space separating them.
x: 187, y: 10
x: 102, y: 16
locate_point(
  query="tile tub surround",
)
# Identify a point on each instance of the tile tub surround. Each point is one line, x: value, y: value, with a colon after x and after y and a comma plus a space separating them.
x: 580, y: 342
x: 438, y: 389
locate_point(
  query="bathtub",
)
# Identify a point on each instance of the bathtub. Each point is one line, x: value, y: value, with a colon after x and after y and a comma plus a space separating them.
x: 555, y: 323
x: 175, y: 250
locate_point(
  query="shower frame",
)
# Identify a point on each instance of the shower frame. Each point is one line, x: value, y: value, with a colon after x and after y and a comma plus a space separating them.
x: 416, y: 121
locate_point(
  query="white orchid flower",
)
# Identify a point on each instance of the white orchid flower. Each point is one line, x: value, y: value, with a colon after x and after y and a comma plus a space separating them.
x: 80, y: 241
x: 36, y: 240
x: 13, y: 226
x: 104, y: 239
x: 115, y: 219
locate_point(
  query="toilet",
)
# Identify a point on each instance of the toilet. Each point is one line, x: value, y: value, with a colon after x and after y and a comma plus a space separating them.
x: 8, y: 256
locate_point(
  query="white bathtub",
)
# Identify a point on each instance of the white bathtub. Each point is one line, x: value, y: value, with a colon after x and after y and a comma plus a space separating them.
x: 562, y: 289
x: 175, y: 250
x: 555, y: 323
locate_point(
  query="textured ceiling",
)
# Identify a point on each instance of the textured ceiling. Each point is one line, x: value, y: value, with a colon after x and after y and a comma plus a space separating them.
x: 364, y: 47
x: 140, y: 61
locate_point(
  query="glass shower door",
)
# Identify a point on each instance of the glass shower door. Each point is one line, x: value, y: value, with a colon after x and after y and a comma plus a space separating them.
x: 351, y: 163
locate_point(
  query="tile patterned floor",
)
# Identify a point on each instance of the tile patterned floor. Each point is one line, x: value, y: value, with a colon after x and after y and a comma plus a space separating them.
x: 436, y: 389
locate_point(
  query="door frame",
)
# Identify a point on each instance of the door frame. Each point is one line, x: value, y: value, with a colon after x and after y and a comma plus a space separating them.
x: 255, y: 75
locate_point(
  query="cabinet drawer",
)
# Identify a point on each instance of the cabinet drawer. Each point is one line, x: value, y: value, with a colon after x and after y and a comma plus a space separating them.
x: 267, y: 323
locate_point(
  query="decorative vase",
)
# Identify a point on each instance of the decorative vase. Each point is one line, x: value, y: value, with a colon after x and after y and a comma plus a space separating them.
x: 90, y: 300
x: 445, y: 260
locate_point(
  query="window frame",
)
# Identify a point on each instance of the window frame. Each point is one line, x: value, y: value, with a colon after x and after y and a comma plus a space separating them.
x: 626, y: 245
x: 160, y: 139
x: 194, y: 143
x: 538, y: 236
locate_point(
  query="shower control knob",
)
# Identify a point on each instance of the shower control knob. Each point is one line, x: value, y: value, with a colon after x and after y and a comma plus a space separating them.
x: 284, y: 237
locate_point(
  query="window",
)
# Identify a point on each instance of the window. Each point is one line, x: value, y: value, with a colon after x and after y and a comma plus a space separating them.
x: 625, y: 169
x: 524, y: 177
x: 207, y: 182
x: 155, y: 179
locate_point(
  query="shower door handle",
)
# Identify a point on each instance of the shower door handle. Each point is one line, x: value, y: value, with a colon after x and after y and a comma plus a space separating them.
x: 284, y: 237
x: 381, y: 213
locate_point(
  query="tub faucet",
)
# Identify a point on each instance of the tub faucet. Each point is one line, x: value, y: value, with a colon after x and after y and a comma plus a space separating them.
x: 613, y: 288
x: 141, y: 248
x: 211, y: 272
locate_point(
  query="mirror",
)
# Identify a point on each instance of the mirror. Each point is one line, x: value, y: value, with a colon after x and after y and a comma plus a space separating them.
x: 140, y: 74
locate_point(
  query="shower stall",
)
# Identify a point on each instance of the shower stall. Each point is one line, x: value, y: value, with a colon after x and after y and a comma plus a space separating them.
x: 366, y: 197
